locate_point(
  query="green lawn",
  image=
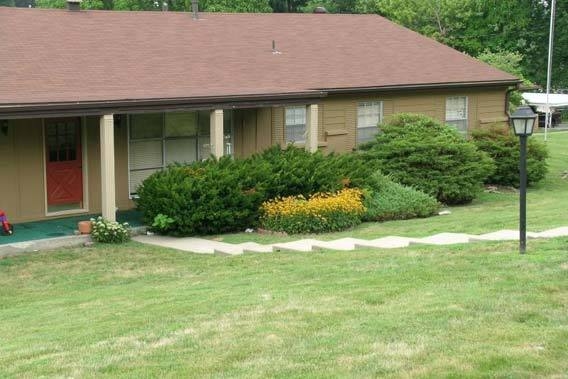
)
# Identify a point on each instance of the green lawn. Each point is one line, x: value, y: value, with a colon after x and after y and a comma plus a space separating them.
x: 133, y: 311
x: 477, y: 310
x: 547, y: 205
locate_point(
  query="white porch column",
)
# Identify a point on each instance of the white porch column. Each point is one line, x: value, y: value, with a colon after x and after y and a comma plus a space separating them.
x: 217, y: 137
x: 312, y: 128
x: 107, y: 167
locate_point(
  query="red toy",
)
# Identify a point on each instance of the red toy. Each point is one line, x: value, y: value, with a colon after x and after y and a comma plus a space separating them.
x: 6, y: 226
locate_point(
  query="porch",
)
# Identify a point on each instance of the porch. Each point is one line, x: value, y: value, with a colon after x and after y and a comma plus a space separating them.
x: 60, y: 227
x: 74, y: 166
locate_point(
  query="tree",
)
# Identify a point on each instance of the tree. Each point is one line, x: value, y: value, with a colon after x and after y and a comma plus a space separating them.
x: 332, y: 6
x: 251, y: 6
x: 510, y: 62
x: 287, y: 6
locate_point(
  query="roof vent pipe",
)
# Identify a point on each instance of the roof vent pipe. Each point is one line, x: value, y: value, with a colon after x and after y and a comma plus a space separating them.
x: 195, y: 9
x: 74, y: 5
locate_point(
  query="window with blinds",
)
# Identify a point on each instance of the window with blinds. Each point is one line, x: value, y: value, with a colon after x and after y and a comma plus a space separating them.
x: 369, y: 115
x: 160, y: 139
x: 456, y: 113
x: 295, y: 124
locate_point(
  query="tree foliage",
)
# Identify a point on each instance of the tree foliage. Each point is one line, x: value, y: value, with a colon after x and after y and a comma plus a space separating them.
x: 509, y: 62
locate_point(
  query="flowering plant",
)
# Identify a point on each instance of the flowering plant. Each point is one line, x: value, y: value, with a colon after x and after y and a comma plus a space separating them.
x: 105, y: 231
x: 322, y: 212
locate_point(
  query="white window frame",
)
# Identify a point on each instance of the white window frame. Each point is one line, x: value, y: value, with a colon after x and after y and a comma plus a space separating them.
x: 369, y: 125
x: 455, y: 121
x: 288, y: 123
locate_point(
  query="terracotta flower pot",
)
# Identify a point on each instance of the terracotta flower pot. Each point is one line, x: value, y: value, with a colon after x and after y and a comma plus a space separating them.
x: 85, y: 227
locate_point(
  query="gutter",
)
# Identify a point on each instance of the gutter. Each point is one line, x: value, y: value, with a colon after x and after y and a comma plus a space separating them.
x: 93, y: 108
x: 97, y: 108
x: 427, y: 86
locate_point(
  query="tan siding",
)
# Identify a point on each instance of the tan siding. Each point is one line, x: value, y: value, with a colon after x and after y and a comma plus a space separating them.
x: 23, y: 197
x: 9, y: 199
x: 238, y: 134
x: 340, y: 111
x: 121, y: 165
x: 263, y: 129
x: 335, y: 124
x: 277, y: 126
x: 473, y: 110
x: 93, y: 164
x: 29, y: 152
x: 388, y: 109
x: 249, y: 132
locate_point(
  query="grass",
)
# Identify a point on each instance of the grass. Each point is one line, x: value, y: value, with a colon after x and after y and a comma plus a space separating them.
x: 546, y: 208
x: 135, y: 311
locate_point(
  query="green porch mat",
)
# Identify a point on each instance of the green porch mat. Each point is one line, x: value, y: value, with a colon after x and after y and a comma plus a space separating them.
x: 36, y: 230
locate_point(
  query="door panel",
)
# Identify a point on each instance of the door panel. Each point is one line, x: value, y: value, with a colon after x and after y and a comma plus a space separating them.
x: 64, y: 162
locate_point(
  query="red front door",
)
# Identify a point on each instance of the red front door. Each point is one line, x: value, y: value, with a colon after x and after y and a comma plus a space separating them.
x: 64, y: 161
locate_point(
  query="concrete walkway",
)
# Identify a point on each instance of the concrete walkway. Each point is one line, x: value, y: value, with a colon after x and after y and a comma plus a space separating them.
x: 205, y: 246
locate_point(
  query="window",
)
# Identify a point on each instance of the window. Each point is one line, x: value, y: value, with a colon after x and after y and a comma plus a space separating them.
x: 295, y: 124
x: 159, y: 139
x: 456, y: 113
x: 369, y: 115
x: 62, y: 140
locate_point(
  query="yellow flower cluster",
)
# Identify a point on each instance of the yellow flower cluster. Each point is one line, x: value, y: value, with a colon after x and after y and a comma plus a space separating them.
x: 348, y: 200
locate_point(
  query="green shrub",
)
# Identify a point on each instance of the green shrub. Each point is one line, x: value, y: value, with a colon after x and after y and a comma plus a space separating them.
x: 386, y: 200
x: 105, y: 231
x: 322, y: 212
x: 203, y: 198
x: 218, y: 196
x: 294, y: 171
x: 420, y: 152
x: 163, y: 223
x: 503, y: 146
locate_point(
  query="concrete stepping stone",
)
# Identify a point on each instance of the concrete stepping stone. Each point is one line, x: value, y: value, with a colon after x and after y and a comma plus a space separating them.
x: 502, y: 235
x: 445, y: 239
x: 194, y: 245
x: 552, y: 233
x: 205, y: 246
x: 343, y: 244
x: 222, y: 248
x: 253, y: 247
x: 305, y: 245
x: 390, y: 242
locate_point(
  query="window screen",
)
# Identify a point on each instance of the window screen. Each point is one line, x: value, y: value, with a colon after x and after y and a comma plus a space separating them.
x: 369, y: 115
x: 295, y: 124
x: 456, y: 113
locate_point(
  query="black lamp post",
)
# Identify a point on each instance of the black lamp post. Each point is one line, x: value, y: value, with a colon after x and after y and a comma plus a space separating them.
x: 522, y: 121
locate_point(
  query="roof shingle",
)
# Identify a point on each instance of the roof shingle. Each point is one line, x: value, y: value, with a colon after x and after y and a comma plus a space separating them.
x: 63, y: 56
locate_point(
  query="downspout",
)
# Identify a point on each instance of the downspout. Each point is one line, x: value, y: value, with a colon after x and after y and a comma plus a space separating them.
x: 508, y: 97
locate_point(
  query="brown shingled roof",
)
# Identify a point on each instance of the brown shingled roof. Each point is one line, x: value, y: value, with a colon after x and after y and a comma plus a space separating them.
x: 63, y: 56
